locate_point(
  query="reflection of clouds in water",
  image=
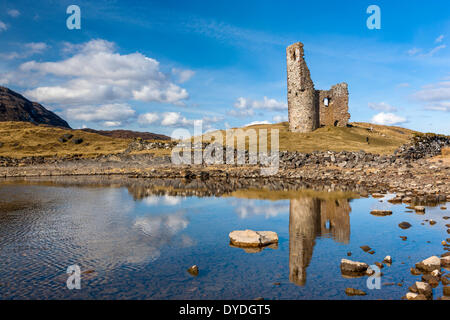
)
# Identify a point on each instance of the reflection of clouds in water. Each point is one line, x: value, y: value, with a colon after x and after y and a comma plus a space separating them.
x: 248, y: 208
x: 166, y: 200
x: 382, y: 203
x: 103, y: 224
x: 168, y: 224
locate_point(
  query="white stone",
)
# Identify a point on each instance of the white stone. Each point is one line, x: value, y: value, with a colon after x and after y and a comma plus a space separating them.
x: 429, y: 264
x: 445, y: 261
x: 387, y: 259
x: 424, y: 288
x: 436, y: 273
x: 250, y: 238
x: 349, y: 266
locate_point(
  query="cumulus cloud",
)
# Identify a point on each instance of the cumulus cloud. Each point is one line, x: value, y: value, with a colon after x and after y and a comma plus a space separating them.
x: 280, y: 118
x: 257, y: 122
x: 435, y: 96
x: 26, y: 50
x: 96, y: 74
x: 244, y: 107
x: 111, y: 113
x: 266, y: 103
x: 382, y: 106
x: 112, y: 123
x: 14, y: 13
x: 183, y: 75
x: 3, y: 26
x: 434, y: 92
x: 175, y: 119
x: 148, y: 118
x: 387, y: 119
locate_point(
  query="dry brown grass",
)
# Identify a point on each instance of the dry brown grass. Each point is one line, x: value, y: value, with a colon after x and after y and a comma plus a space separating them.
x: 23, y: 139
x: 445, y: 151
x: 382, y: 139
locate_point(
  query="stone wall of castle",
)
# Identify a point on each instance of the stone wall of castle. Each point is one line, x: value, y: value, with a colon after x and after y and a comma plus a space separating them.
x: 302, y: 98
x: 309, y: 108
x: 333, y: 106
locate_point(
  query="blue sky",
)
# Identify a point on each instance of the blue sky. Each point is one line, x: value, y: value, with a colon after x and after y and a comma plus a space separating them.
x: 161, y: 65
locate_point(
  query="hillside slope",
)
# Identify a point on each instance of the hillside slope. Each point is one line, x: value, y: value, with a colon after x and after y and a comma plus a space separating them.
x: 15, y: 107
x: 382, y: 139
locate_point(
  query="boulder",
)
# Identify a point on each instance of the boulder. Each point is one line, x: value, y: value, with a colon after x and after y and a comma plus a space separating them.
x: 350, y: 267
x: 429, y: 264
x: 415, y: 296
x: 445, y: 261
x: 250, y: 238
x: 424, y: 288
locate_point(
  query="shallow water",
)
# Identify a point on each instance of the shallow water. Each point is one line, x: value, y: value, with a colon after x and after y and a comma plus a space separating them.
x: 134, y: 245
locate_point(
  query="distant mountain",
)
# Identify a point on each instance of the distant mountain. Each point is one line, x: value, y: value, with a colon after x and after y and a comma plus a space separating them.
x: 15, y: 107
x: 128, y: 134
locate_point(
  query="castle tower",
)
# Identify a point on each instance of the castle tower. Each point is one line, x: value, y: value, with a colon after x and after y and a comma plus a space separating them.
x: 303, y: 106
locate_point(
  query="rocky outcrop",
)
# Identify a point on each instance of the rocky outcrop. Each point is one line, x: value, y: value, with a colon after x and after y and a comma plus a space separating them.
x: 423, y: 146
x: 15, y: 107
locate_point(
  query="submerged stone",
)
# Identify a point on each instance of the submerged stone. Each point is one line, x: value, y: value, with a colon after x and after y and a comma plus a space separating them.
x: 354, y: 292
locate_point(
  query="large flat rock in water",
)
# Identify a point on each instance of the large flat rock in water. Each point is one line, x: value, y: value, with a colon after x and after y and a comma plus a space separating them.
x: 250, y: 238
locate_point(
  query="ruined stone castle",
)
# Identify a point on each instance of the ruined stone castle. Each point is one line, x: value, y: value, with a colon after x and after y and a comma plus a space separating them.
x: 310, y: 108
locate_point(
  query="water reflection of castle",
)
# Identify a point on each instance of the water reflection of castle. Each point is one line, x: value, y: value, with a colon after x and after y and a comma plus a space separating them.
x: 308, y: 219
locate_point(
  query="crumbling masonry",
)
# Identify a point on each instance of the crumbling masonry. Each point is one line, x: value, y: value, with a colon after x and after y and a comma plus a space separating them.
x: 309, y: 108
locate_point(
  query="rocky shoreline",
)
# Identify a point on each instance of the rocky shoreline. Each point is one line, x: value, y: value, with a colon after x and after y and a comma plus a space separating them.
x: 412, y: 172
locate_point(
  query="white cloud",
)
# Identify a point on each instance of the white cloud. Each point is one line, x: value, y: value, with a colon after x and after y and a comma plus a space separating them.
x: 403, y: 85
x: 111, y: 113
x: 266, y: 103
x: 434, y: 92
x: 3, y: 26
x: 257, y: 122
x: 280, y: 118
x: 96, y: 74
x: 439, y: 39
x: 387, y: 119
x: 435, y: 95
x: 14, y: 13
x: 441, y: 106
x: 382, y: 106
x: 26, y: 50
x: 183, y: 75
x: 148, y: 118
x: 112, y: 123
x: 36, y: 47
x: 244, y: 107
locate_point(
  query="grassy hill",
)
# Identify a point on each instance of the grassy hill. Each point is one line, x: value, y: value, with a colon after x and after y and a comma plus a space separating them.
x: 382, y: 139
x: 21, y: 139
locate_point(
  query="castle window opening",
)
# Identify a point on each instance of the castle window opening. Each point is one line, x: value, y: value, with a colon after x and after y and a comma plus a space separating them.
x: 326, y: 101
